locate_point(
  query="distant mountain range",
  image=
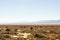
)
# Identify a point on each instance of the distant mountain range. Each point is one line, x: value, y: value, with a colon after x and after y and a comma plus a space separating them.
x: 46, y: 22
x: 37, y: 22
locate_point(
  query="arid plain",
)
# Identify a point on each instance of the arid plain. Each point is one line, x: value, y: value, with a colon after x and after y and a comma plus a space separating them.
x: 29, y: 32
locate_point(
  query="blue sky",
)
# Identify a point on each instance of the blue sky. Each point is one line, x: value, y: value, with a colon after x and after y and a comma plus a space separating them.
x: 29, y: 10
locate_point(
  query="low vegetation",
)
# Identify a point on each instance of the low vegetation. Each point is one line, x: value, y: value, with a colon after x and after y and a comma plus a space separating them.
x: 30, y: 32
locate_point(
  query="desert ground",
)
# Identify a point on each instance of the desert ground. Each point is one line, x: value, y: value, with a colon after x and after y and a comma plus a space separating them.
x: 29, y: 32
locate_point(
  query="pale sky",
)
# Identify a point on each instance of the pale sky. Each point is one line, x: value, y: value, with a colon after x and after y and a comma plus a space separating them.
x: 29, y: 10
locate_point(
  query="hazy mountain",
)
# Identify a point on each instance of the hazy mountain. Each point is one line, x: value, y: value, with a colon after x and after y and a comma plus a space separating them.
x: 37, y: 22
x: 47, y: 22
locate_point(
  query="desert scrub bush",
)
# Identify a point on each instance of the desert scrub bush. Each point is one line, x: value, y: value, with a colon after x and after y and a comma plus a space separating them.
x: 38, y: 36
x: 6, y: 36
x: 2, y: 37
x: 7, y: 29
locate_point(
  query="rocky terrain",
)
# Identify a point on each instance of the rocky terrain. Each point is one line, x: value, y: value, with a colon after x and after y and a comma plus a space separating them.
x: 29, y: 32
